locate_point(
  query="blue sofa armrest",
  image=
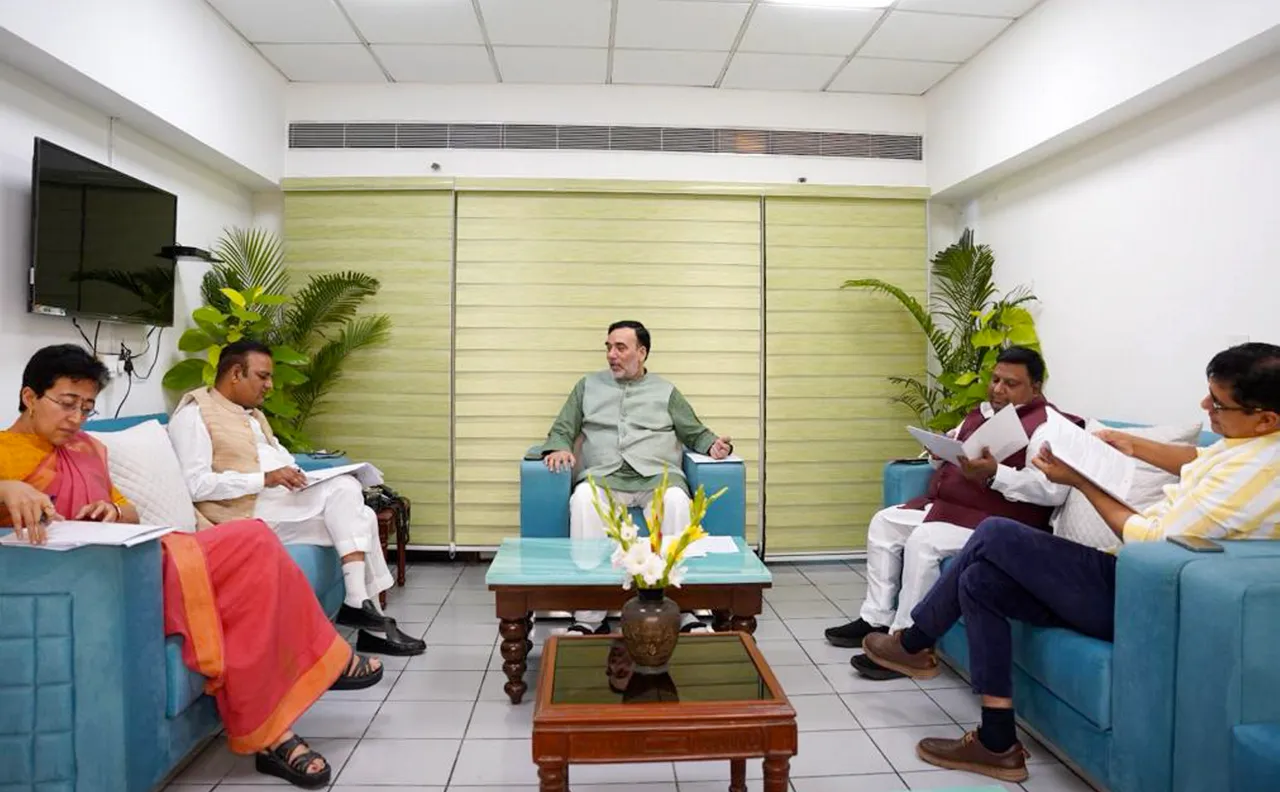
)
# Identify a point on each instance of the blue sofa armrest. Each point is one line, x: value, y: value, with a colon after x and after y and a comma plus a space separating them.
x: 728, y: 515
x: 82, y: 642
x: 904, y: 480
x: 1255, y: 757
x: 544, y: 497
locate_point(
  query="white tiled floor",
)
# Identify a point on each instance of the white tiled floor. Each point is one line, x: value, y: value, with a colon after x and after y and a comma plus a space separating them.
x: 442, y: 722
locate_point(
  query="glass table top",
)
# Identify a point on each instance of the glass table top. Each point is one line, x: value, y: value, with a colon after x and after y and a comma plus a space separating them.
x: 598, y: 670
x: 586, y: 562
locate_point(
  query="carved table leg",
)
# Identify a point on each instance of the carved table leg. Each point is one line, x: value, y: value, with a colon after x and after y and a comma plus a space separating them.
x: 737, y: 775
x: 553, y: 777
x: 515, y: 649
x: 720, y: 620
x: 746, y: 624
x: 776, y: 770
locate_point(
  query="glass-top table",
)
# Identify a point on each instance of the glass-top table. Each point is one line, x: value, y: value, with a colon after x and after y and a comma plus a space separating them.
x: 541, y: 574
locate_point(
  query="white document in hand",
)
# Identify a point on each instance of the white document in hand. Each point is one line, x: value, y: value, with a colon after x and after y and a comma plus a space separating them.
x: 70, y: 534
x: 945, y: 448
x: 366, y: 474
x: 1106, y: 467
x: 1002, y: 434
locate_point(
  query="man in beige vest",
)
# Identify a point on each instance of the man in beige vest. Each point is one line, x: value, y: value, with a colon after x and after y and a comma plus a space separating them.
x: 235, y: 468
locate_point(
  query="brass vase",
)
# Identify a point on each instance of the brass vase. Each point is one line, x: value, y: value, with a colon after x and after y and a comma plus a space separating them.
x: 650, y: 627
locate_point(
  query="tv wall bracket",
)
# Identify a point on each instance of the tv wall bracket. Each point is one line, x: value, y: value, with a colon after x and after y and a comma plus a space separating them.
x: 176, y: 252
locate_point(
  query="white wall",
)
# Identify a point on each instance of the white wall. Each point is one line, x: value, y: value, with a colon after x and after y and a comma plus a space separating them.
x: 1151, y: 248
x: 167, y: 66
x: 207, y: 202
x: 605, y: 105
x: 1071, y: 67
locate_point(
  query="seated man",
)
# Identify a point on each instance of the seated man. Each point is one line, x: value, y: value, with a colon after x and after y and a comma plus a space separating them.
x: 633, y: 424
x: 213, y: 580
x: 236, y: 469
x: 906, y: 544
x: 1230, y: 490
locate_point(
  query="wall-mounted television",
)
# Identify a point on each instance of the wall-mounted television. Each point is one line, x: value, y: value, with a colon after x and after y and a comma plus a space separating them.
x: 98, y: 241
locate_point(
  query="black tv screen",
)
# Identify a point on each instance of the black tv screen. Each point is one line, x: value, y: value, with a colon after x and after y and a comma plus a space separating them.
x: 97, y: 241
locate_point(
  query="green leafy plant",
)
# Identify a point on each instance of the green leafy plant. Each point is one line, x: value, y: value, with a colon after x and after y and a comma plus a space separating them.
x: 312, y: 333
x: 967, y: 322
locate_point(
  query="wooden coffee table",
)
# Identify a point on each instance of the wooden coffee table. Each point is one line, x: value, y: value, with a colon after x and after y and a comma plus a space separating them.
x: 719, y: 700
x: 530, y: 575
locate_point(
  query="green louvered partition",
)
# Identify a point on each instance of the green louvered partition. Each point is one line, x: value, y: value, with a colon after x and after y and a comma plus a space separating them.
x: 539, y: 278
x: 392, y: 405
x: 829, y: 425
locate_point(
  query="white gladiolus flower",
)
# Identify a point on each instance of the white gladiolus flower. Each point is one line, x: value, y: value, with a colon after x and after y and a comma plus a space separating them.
x: 616, y: 558
x: 629, y: 531
x: 633, y: 560
x: 652, y: 569
x: 676, y: 576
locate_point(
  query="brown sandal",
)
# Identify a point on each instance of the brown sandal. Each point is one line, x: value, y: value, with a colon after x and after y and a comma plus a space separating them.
x: 276, y: 762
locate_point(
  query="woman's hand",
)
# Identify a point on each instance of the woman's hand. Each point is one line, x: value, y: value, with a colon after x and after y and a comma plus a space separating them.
x: 99, y: 511
x: 1055, y: 469
x: 29, y: 509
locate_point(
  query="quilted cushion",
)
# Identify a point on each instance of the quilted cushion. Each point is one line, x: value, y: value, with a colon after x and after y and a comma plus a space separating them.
x: 145, y: 469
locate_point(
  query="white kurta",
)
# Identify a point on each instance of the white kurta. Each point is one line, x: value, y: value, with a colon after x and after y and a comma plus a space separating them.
x: 905, y: 553
x: 331, y: 514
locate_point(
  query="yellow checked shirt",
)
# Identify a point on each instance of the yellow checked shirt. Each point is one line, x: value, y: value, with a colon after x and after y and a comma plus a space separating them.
x: 1231, y: 490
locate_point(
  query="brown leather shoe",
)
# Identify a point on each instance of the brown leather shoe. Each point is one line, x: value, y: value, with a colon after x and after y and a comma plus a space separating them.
x: 887, y: 652
x: 969, y: 754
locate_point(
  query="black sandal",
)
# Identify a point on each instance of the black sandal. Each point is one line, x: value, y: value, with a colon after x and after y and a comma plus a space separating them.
x: 358, y: 678
x: 276, y: 762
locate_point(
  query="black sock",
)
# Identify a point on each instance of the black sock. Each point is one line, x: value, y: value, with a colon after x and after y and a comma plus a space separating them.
x: 997, y: 730
x: 913, y: 640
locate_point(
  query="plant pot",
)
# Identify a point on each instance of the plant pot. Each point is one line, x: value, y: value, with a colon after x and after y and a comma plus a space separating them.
x: 650, y: 628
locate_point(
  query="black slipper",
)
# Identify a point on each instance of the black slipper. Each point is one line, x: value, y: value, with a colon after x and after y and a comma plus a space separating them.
x: 872, y: 670
x: 360, y: 678
x: 276, y: 762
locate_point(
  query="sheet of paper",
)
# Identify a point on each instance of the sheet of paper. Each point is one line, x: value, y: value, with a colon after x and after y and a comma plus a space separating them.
x: 704, y: 458
x: 366, y: 474
x: 945, y: 448
x: 1002, y: 433
x: 1106, y: 467
x: 704, y: 546
x: 70, y: 534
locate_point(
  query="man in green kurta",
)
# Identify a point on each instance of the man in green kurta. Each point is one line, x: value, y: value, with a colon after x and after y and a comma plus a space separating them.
x: 632, y: 424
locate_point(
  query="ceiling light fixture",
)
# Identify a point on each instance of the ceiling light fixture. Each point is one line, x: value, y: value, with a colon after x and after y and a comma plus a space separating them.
x: 835, y: 3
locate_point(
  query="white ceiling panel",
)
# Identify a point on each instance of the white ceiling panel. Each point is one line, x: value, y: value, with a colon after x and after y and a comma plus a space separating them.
x: 937, y: 37
x: 678, y: 24
x: 552, y: 65
x: 807, y: 30
x: 432, y: 22
x: 780, y: 72
x: 876, y: 75
x: 435, y: 64
x: 547, y: 23
x: 657, y: 67
x: 323, y: 62
x: 287, y: 21
x: 1011, y: 9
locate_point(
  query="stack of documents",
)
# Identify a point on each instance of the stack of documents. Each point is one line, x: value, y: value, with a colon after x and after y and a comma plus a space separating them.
x: 1111, y: 471
x: 70, y: 534
x: 366, y: 474
x: 1002, y: 433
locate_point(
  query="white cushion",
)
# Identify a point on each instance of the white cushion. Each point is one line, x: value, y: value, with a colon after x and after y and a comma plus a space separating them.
x: 145, y: 469
x: 1078, y: 521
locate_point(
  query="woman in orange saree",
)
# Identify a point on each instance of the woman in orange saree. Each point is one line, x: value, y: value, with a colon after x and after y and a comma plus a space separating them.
x: 247, y: 615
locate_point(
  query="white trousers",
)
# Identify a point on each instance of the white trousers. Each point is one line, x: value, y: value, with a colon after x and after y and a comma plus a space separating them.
x: 331, y: 514
x: 904, y: 557
x: 584, y: 523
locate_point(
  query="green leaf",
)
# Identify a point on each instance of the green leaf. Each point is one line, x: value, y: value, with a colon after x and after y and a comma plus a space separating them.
x: 288, y: 356
x: 207, y: 313
x: 236, y: 298
x: 234, y: 336
x: 285, y: 375
x: 1024, y: 336
x: 195, y: 340
x: 279, y: 404
x: 185, y: 375
x: 271, y: 299
x: 245, y: 316
x: 964, y: 378
x: 988, y: 337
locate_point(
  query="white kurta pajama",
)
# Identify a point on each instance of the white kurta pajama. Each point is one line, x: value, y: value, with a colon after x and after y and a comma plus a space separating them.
x: 331, y: 514
x: 905, y: 553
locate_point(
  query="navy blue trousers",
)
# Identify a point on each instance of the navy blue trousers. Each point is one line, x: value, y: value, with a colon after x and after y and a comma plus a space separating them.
x: 1008, y: 570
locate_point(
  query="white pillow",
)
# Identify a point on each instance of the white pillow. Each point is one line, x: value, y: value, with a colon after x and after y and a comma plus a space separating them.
x: 145, y: 469
x: 1078, y: 521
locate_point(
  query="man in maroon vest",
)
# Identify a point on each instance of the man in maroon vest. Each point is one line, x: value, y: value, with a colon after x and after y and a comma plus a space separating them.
x: 906, y: 544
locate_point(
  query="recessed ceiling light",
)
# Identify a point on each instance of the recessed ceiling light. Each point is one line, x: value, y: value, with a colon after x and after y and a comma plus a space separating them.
x: 835, y: 3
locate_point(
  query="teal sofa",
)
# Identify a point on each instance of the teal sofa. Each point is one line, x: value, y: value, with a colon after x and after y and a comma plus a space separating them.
x: 1187, y: 696
x: 94, y: 697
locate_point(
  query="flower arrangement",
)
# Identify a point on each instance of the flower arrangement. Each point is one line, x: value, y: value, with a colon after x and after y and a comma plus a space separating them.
x: 648, y: 564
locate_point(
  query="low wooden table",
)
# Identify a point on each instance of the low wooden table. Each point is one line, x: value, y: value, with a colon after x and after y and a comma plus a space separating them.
x: 718, y: 700
x: 530, y: 575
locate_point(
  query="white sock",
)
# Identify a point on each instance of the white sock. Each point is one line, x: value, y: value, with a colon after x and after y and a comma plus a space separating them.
x: 353, y: 577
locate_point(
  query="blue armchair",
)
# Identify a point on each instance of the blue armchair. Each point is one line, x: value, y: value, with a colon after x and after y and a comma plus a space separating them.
x: 95, y: 698
x: 1186, y: 698
x: 544, y: 496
